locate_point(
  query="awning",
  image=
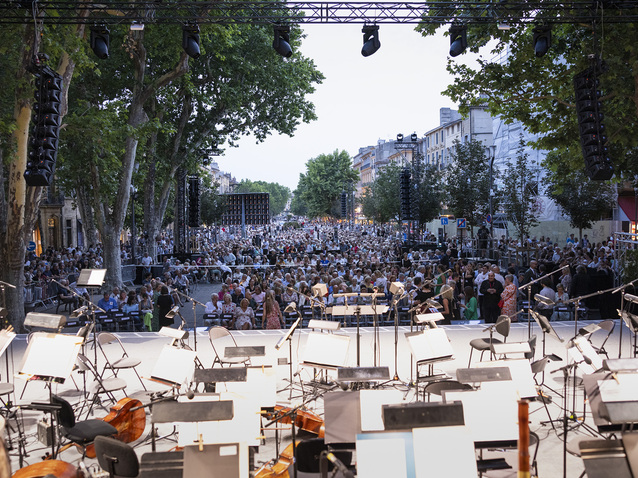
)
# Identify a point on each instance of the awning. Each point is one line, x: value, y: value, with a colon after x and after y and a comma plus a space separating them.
x: 628, y: 206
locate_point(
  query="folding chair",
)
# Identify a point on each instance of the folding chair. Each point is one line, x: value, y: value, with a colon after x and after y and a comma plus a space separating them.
x: 100, y: 385
x: 220, y: 338
x: 116, y: 361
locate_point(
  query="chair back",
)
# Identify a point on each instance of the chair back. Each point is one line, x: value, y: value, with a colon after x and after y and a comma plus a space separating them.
x: 607, y: 325
x: 104, y: 338
x: 66, y: 416
x: 116, y: 457
x: 503, y: 326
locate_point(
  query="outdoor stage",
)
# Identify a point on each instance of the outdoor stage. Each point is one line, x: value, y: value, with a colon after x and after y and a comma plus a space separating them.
x: 148, y: 347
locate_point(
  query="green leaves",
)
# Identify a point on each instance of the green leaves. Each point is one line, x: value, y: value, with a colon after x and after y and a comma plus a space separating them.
x: 319, y: 189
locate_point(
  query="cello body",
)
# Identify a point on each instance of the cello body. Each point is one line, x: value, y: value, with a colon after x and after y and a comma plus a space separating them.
x: 130, y: 423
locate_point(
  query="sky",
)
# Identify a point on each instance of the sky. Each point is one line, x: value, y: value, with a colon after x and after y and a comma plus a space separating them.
x: 395, y: 90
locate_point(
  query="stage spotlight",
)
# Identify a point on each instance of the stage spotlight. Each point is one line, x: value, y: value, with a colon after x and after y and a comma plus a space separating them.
x: 399, y: 138
x: 542, y: 40
x: 281, y: 42
x: 100, y: 41
x: 458, y: 39
x: 414, y: 138
x: 371, y: 41
x: 190, y: 40
x: 137, y: 26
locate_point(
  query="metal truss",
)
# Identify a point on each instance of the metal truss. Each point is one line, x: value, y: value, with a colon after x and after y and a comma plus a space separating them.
x: 231, y: 12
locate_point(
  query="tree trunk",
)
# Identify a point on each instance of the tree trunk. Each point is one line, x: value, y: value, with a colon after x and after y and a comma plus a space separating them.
x: 112, y: 257
x: 88, y: 218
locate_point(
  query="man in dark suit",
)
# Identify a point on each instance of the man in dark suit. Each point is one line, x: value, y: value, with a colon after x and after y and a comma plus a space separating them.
x: 491, y: 290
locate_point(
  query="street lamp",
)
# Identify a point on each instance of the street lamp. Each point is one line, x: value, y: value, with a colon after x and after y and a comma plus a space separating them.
x: 133, y: 231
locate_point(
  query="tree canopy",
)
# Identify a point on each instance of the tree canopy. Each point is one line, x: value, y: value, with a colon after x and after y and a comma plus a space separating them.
x: 319, y: 188
x: 279, y: 194
x: 519, y: 86
x: 467, y: 182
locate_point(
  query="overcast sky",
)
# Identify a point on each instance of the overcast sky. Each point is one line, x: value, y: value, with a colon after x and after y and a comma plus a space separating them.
x: 396, y: 90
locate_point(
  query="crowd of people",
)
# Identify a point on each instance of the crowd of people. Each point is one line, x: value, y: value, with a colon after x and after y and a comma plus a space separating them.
x: 273, y: 267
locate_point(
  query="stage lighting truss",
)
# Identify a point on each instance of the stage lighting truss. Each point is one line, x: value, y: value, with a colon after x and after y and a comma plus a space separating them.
x: 183, y: 12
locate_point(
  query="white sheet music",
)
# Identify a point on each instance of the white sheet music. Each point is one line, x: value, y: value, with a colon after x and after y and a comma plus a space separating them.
x: 430, y: 344
x: 622, y: 388
x: 371, y: 404
x: 372, y: 457
x: 50, y: 355
x: 431, y: 445
x: 175, y: 365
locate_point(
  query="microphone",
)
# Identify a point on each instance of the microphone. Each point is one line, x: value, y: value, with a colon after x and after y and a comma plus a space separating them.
x: 190, y: 394
x: 339, y: 465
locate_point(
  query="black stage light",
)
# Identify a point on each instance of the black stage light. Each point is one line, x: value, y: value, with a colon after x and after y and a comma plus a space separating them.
x: 542, y: 40
x: 458, y: 39
x: 281, y: 41
x: 100, y: 41
x: 371, y: 41
x: 190, y: 40
x: 399, y: 138
x: 414, y: 138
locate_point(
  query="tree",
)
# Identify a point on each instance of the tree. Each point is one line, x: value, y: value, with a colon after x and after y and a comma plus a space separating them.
x: 539, y: 91
x: 467, y: 182
x: 427, y: 191
x: 278, y: 198
x: 19, y: 204
x: 212, y: 204
x: 520, y: 191
x: 584, y: 201
x: 169, y: 109
x: 381, y: 201
x: 326, y: 177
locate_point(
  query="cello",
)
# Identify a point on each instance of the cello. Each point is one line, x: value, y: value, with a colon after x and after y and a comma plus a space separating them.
x: 129, y: 417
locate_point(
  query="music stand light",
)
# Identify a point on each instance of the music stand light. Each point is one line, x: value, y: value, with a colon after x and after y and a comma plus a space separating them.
x: 543, y: 299
x: 45, y: 321
x: 324, y: 324
x: 78, y: 312
x: 172, y: 313
x: 396, y: 288
x: 320, y: 290
x: 433, y: 303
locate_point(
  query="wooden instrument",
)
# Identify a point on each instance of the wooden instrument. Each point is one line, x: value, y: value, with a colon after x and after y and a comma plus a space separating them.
x: 280, y: 468
x: 5, y: 463
x: 129, y: 417
x: 57, y: 468
x: 304, y: 419
x: 523, y: 439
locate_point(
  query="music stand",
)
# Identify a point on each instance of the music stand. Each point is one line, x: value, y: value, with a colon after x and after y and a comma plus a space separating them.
x: 92, y: 278
x: 547, y: 329
x: 287, y: 337
x: 174, y: 367
x: 428, y: 347
x: 631, y: 321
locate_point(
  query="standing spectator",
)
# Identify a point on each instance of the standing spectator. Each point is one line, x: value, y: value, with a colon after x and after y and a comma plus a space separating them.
x: 164, y: 304
x: 491, y: 290
x: 272, y: 319
x: 508, y: 296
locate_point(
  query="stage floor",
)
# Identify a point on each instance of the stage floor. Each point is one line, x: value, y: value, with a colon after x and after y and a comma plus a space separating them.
x: 147, y: 346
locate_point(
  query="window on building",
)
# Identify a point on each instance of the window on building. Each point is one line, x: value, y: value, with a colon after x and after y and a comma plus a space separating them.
x: 69, y: 233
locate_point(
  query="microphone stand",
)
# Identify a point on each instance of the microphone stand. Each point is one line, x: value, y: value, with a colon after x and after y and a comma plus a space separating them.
x: 195, y: 304
x: 528, y: 286
x: 93, y: 307
x: 622, y: 307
